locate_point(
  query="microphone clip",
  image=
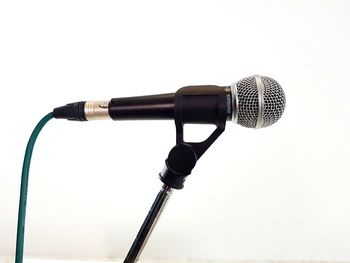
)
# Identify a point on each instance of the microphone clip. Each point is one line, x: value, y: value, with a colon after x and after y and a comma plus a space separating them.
x: 191, y: 104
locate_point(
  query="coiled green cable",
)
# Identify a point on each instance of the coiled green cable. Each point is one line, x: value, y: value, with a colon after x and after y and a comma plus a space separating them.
x: 24, y: 187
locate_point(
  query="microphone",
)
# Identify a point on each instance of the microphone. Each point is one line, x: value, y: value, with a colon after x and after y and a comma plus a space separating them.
x: 252, y: 102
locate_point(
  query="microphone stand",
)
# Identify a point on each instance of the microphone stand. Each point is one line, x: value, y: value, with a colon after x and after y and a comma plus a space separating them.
x: 148, y: 225
x: 183, y: 156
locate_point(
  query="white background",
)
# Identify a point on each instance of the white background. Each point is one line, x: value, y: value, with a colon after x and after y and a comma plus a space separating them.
x: 280, y: 193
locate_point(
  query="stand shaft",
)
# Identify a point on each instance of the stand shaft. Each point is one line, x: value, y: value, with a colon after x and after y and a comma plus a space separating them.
x: 148, y: 224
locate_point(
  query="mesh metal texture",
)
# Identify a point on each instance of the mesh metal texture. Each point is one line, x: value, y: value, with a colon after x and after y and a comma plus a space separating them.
x: 248, y: 102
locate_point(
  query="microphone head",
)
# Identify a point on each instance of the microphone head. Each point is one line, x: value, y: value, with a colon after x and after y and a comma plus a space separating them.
x: 257, y: 101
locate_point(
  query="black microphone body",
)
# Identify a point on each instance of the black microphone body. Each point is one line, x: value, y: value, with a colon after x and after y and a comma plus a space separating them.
x: 152, y: 107
x: 199, y: 104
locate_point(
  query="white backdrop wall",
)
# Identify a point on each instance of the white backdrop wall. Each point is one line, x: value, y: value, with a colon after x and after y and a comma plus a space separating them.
x: 280, y: 193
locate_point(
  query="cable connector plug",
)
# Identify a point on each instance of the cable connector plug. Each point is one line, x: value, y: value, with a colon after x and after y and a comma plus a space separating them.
x: 72, y: 111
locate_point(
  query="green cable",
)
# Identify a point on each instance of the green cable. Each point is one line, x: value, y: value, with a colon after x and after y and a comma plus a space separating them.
x: 24, y: 187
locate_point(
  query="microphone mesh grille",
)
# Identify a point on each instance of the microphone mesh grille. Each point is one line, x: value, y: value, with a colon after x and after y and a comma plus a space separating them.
x: 248, y: 102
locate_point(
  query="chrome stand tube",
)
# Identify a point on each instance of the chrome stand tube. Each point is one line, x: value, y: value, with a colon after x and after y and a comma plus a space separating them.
x: 148, y: 224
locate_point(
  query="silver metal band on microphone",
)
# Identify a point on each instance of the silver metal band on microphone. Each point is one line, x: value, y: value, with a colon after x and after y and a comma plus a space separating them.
x: 261, y: 90
x: 234, y: 99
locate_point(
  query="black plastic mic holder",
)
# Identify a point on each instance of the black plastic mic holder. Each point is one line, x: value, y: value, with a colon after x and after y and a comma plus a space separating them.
x: 190, y: 102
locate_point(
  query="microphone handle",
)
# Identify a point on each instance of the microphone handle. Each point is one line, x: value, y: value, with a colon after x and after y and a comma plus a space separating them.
x: 152, y: 107
x: 195, y: 104
x: 157, y: 107
x: 198, y: 104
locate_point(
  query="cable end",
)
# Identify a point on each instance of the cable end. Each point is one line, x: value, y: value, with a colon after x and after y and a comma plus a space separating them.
x: 72, y: 111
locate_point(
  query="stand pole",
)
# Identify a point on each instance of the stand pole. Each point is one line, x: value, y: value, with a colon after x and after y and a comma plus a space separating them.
x: 148, y: 224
